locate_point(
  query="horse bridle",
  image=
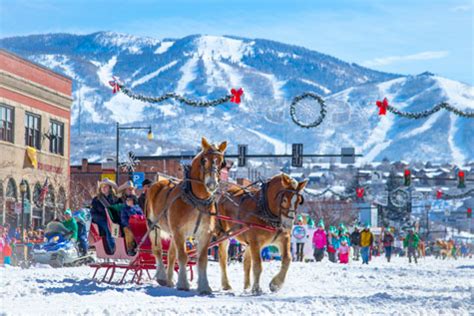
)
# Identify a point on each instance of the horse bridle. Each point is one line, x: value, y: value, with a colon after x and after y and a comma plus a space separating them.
x: 267, y: 214
x: 214, y: 168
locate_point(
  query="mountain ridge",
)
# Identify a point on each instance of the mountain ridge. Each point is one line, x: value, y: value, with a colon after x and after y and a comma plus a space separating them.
x: 271, y: 73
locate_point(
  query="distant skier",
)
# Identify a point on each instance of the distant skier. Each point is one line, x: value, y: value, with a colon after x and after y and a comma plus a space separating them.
x: 387, y: 243
x: 411, y: 243
x: 366, y: 241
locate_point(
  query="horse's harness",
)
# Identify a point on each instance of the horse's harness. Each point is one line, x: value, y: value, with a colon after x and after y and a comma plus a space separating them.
x: 263, y: 210
x: 204, y: 206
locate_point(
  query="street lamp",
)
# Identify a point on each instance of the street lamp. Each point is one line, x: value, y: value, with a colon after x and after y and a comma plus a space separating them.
x: 23, y: 189
x: 119, y: 128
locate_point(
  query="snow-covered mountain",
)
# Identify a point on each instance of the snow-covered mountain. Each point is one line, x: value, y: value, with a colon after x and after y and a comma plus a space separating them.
x: 271, y: 74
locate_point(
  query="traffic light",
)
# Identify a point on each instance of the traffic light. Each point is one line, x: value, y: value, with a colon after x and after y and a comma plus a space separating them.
x: 242, y: 155
x: 439, y: 194
x: 360, y: 193
x: 469, y: 213
x: 407, y: 177
x: 461, y: 180
x: 297, y: 155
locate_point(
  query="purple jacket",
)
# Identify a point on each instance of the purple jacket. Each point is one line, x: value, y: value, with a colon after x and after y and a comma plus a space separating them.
x: 319, y: 238
x: 128, y: 211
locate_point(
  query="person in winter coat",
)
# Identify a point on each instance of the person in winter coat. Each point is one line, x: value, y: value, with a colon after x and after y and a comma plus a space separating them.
x: 146, y: 184
x: 104, y: 199
x: 125, y: 190
x: 388, y: 243
x: 411, y: 243
x: 319, y: 242
x: 366, y: 241
x: 7, y: 252
x: 129, y: 210
x: 70, y: 224
x: 355, y: 242
x: 332, y: 243
x: 343, y: 252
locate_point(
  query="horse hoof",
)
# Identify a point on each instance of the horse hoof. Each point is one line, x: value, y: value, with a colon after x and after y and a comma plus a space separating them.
x: 182, y: 288
x: 274, y: 287
x: 227, y: 287
x: 257, y: 291
x: 207, y: 291
x: 162, y: 282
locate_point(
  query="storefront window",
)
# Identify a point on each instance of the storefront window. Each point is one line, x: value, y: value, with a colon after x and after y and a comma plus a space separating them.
x: 36, y: 207
x: 49, y: 205
x: 1, y: 204
x: 11, y: 197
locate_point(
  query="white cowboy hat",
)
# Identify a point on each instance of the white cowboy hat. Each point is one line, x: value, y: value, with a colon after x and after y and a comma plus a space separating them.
x: 108, y: 182
x: 128, y: 184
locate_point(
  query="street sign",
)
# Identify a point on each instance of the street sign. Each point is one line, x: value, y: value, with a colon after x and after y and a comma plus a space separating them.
x: 348, y: 155
x: 138, y: 178
x: 242, y: 159
x: 297, y: 155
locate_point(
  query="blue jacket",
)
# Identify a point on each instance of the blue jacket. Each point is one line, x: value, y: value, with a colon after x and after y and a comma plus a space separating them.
x: 128, y: 211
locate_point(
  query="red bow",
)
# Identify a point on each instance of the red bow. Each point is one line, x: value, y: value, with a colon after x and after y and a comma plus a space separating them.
x: 439, y: 194
x: 360, y: 192
x: 236, y: 94
x: 115, y: 85
x: 383, y: 105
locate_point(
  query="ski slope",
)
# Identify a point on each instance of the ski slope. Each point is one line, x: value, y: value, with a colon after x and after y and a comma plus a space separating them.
x: 432, y: 287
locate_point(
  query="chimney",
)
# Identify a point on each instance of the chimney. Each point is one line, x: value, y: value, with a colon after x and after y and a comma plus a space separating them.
x: 85, y: 165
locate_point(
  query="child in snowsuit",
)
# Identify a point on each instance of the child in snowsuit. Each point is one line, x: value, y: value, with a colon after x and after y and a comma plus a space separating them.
x: 343, y: 251
x: 129, y: 210
x: 319, y: 242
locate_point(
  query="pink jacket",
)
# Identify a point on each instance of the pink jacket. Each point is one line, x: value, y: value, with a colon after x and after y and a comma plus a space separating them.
x: 343, y: 249
x: 319, y: 239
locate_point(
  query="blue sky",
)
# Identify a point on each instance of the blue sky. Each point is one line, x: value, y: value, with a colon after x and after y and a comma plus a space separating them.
x: 400, y: 36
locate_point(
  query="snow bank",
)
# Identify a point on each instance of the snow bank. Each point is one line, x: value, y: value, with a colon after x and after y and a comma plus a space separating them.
x: 431, y: 287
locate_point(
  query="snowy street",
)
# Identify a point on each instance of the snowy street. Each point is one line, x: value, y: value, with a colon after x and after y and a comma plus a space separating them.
x: 430, y: 288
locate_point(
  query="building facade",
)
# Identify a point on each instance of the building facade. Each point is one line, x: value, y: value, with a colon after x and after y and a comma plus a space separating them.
x: 35, y: 108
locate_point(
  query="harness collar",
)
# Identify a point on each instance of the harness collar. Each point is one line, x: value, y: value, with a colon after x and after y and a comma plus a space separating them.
x: 188, y: 195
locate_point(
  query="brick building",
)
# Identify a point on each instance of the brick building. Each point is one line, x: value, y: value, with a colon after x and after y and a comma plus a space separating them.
x: 35, y: 106
x: 84, y: 177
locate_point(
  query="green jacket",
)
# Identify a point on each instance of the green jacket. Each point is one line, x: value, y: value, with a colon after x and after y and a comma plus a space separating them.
x: 71, y: 225
x: 411, y: 241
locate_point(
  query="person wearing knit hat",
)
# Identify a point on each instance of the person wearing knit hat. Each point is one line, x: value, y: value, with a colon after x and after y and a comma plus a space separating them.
x: 387, y: 241
x: 146, y: 184
x: 70, y: 224
x: 366, y: 242
x: 355, y: 243
x: 319, y: 241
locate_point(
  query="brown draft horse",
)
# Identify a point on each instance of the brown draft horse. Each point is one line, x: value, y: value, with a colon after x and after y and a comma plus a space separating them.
x: 182, y: 209
x: 273, y: 204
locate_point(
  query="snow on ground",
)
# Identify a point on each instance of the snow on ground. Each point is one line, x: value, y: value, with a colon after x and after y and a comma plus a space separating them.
x: 432, y: 287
